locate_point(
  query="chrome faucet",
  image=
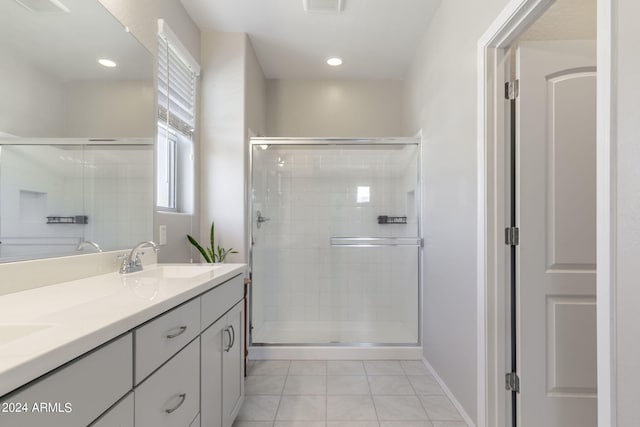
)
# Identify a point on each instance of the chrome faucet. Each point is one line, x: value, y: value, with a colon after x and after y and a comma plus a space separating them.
x: 83, y: 243
x: 132, y: 262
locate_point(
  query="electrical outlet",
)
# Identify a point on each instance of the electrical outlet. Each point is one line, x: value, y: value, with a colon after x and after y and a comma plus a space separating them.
x: 162, y: 235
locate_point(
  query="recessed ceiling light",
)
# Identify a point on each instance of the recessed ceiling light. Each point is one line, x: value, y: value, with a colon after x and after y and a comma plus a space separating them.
x: 334, y: 62
x: 107, y: 63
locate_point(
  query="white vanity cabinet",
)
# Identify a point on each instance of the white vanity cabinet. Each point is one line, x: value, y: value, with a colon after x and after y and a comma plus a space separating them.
x: 215, y: 366
x: 179, y: 368
x: 76, y: 394
x: 222, y: 376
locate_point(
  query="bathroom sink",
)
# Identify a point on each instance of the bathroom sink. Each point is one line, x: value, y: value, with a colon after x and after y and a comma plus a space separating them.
x: 10, y: 333
x: 180, y: 271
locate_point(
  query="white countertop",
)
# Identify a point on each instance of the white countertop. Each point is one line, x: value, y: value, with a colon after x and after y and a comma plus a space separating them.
x: 44, y: 328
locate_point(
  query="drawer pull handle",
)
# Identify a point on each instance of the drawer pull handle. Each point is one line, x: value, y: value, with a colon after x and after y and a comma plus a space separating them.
x: 228, y: 331
x: 233, y: 341
x: 183, y: 397
x: 181, y: 330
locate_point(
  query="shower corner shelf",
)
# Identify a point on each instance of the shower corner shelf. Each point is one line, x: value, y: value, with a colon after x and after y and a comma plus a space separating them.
x: 384, y: 219
x: 77, y: 219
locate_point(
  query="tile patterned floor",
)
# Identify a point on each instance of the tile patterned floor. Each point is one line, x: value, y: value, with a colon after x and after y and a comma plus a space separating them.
x: 380, y: 393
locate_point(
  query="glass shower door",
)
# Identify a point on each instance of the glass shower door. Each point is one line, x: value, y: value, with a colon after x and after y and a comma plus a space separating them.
x: 335, y: 233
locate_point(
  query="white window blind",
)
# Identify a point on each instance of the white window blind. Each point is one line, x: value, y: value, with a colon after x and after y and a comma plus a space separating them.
x: 177, y: 74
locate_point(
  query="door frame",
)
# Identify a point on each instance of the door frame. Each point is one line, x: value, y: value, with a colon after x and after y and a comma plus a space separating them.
x: 492, y: 253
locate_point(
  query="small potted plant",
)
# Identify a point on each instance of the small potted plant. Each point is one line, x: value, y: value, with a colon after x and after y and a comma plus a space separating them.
x: 212, y: 254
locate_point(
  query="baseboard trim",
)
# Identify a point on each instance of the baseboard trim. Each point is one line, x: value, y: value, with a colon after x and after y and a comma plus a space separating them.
x: 334, y: 353
x: 467, y: 419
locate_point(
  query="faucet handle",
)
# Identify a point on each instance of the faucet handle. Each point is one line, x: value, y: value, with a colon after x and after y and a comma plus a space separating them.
x: 122, y: 258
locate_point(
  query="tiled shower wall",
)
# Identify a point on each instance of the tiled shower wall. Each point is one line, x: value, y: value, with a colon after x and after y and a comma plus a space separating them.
x: 312, y: 195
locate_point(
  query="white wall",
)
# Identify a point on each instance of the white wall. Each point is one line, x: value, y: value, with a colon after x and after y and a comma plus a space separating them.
x: 233, y: 101
x: 626, y: 76
x: 110, y: 109
x: 141, y: 18
x: 255, y: 93
x: 36, y: 104
x: 349, y: 108
x: 223, y: 129
x: 441, y: 97
x: 39, y: 113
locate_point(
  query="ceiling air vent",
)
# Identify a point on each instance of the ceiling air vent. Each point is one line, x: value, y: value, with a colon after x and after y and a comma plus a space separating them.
x: 49, y: 7
x: 323, y: 6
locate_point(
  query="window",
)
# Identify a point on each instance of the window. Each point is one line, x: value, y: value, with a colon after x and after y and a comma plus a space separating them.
x: 166, y: 158
x: 176, y: 122
x: 363, y: 194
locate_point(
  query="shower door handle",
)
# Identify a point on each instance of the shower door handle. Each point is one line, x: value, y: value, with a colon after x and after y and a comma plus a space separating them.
x: 260, y: 219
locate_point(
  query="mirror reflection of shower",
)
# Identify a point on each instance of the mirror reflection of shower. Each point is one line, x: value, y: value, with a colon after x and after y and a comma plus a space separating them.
x: 339, y: 262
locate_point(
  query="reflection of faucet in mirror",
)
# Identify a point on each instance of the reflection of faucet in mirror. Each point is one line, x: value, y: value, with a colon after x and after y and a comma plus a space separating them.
x: 83, y: 243
x: 133, y: 262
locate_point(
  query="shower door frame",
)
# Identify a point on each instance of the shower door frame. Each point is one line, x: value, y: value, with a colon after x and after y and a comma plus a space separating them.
x: 336, y: 141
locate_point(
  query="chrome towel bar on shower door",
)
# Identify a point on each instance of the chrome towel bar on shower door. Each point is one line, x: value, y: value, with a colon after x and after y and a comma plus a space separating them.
x: 375, y: 241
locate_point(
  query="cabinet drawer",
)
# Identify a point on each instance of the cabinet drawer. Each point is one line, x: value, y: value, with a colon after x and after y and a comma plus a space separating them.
x: 164, y: 336
x: 120, y: 415
x: 75, y: 395
x: 220, y: 299
x: 171, y: 396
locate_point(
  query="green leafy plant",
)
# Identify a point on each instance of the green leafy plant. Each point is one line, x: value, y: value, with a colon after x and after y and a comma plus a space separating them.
x: 213, y: 253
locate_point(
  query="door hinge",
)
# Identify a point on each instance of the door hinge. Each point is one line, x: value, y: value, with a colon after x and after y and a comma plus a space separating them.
x: 512, y: 236
x: 512, y: 382
x: 512, y: 89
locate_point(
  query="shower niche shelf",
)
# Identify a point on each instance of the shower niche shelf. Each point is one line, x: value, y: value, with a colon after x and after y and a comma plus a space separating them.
x: 77, y: 219
x: 384, y: 219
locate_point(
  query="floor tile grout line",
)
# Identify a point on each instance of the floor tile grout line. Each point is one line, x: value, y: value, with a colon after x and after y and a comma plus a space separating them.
x: 326, y: 392
x: 275, y: 416
x: 373, y: 402
x: 368, y: 377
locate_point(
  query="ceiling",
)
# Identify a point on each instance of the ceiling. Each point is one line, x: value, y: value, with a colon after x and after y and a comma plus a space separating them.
x: 377, y: 39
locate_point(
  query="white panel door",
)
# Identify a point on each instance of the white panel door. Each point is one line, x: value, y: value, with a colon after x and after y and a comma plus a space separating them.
x: 556, y: 213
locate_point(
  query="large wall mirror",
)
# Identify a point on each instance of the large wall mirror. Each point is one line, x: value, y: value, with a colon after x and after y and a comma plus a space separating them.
x: 76, y: 137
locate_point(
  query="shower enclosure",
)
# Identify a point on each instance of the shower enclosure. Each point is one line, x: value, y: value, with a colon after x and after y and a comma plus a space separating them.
x: 335, y: 241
